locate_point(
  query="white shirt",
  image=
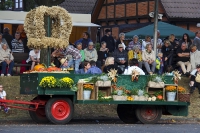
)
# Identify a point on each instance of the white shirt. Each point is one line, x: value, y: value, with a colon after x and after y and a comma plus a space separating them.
x: 2, y: 94
x: 144, y: 44
x: 130, y: 69
x: 159, y: 42
x: 124, y: 46
x: 34, y: 55
x: 193, y: 72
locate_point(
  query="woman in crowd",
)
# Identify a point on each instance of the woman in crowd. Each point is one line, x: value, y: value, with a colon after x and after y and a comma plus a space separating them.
x: 90, y: 53
x: 195, y: 80
x: 121, y: 41
x: 134, y: 43
x: 84, y: 70
x: 148, y: 57
x: 57, y: 54
x: 194, y: 56
x: 85, y: 40
x: 102, y: 54
x: 137, y: 54
x: 167, y: 50
x: 34, y: 57
x: 110, y: 64
x: 6, y: 59
x: 145, y: 42
x: 186, y: 39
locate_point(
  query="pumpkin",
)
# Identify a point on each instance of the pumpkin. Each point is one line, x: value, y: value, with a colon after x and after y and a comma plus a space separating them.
x: 39, y: 67
x: 53, y: 68
x: 159, y: 97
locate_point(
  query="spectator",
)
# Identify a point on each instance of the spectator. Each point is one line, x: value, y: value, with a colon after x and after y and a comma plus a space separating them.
x: 76, y: 57
x: 195, y: 80
x: 169, y: 71
x: 17, y: 44
x: 25, y: 41
x: 186, y: 39
x: 34, y: 57
x: 148, y: 57
x: 121, y: 41
x: 194, y: 56
x: 197, y: 40
x: 133, y: 65
x: 64, y: 63
x: 109, y: 64
x: 85, y: 40
x: 58, y: 54
x: 173, y: 43
x: 79, y: 47
x: 2, y: 41
x: 121, y: 57
x: 183, y: 59
x: 159, y: 42
x: 85, y: 69
x: 167, y: 51
x: 3, y: 96
x: 145, y: 42
x: 134, y: 43
x: 109, y: 41
x: 6, y: 59
x: 102, y: 54
x: 159, y: 63
x: 8, y: 37
x: 93, y: 69
x: 137, y: 54
x: 90, y: 53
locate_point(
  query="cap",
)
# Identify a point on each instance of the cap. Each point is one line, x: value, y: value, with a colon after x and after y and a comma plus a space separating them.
x: 198, y: 66
x: 91, y: 43
x: 107, y: 30
x: 62, y: 61
x: 120, y: 45
x: 78, y: 43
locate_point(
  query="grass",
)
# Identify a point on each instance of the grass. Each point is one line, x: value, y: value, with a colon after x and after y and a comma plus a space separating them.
x: 12, y: 88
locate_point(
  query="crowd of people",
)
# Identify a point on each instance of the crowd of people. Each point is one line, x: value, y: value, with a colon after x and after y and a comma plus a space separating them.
x: 83, y: 56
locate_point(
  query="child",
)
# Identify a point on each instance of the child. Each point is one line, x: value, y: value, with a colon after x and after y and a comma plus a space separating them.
x: 64, y: 63
x: 3, y: 96
x: 159, y: 63
x: 34, y: 58
x: 169, y: 70
x: 93, y: 69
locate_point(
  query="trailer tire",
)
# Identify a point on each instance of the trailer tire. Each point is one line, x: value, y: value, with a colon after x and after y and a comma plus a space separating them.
x: 39, y: 115
x: 126, y: 113
x: 59, y: 110
x: 149, y: 114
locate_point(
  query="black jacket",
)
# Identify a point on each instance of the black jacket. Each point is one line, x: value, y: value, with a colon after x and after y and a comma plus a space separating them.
x: 102, y: 55
x: 107, y: 68
x: 117, y: 54
x: 110, y: 42
x: 8, y: 38
x: 167, y: 51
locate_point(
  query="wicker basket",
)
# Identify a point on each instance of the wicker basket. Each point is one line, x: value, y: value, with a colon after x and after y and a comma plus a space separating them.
x: 184, y: 97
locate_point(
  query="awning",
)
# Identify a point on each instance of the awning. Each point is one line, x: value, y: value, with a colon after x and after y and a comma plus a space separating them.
x: 14, y: 17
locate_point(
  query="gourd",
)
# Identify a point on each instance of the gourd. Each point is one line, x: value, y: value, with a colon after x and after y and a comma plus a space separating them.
x: 39, y: 67
x: 153, y: 98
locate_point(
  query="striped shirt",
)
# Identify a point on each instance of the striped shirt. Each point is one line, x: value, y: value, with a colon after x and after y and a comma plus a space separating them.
x: 17, y: 47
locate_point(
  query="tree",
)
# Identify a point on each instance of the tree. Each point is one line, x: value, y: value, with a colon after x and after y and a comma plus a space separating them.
x: 6, y: 4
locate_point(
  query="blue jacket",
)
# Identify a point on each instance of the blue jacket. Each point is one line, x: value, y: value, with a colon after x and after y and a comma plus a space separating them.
x: 94, y: 70
x: 81, y: 71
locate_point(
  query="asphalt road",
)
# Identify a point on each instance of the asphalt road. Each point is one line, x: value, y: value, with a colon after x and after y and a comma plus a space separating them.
x: 95, y: 126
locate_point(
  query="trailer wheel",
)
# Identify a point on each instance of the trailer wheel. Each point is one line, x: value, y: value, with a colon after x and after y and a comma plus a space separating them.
x: 39, y: 115
x: 149, y: 114
x: 126, y: 113
x: 59, y: 110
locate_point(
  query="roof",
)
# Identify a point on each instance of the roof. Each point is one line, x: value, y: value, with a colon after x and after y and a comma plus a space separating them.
x: 182, y: 8
x: 79, y: 6
x: 164, y: 28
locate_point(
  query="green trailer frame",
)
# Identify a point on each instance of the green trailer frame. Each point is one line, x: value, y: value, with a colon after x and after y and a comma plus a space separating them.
x: 59, y: 100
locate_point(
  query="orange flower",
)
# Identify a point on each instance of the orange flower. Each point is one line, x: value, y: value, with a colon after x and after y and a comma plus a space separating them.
x: 88, y: 87
x: 171, y: 88
x: 181, y: 89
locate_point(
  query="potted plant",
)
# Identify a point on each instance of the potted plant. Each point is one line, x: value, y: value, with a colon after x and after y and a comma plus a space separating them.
x: 182, y: 95
x: 87, y: 88
x: 120, y: 94
x: 171, y: 92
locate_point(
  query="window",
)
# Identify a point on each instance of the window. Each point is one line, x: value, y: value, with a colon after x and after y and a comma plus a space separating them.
x: 18, y: 4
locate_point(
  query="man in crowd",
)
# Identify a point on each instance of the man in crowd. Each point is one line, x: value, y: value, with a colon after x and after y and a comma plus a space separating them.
x: 183, y: 59
x: 197, y: 40
x: 109, y: 40
x: 7, y: 36
x: 17, y: 44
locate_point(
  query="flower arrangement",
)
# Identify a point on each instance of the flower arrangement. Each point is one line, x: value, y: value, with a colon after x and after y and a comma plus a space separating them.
x: 88, y: 87
x: 34, y: 27
x: 181, y: 89
x: 52, y: 82
x: 120, y: 91
x: 171, y: 88
x: 65, y: 82
x: 48, y: 81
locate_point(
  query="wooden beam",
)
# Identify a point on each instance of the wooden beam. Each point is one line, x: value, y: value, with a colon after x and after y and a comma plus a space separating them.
x: 125, y: 2
x: 96, y: 10
x: 124, y: 18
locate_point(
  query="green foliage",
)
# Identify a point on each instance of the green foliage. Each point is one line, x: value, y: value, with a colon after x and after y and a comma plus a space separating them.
x: 156, y: 78
x: 102, y: 98
x: 6, y: 5
x: 97, y: 46
x: 134, y: 92
x: 74, y: 88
